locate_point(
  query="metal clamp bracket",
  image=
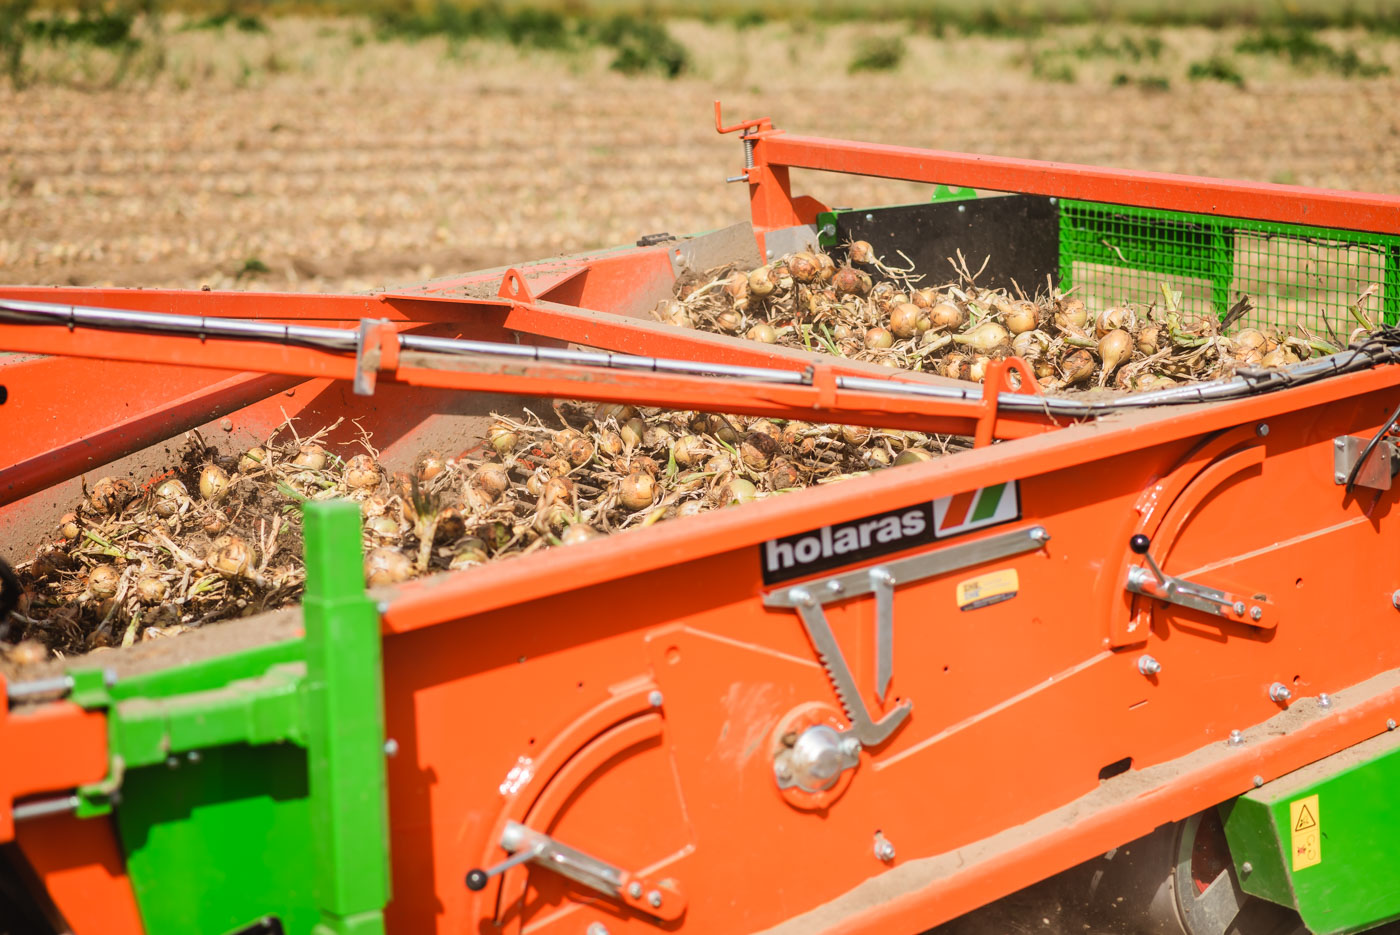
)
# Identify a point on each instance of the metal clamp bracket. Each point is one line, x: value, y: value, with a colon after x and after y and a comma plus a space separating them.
x: 881, y: 580
x: 376, y: 349
x: 1255, y: 611
x: 662, y: 898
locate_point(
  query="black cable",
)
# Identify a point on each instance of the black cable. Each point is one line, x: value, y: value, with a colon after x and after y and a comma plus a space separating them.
x: 1370, y: 447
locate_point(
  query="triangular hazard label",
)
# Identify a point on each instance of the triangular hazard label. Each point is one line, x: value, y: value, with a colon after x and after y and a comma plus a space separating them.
x: 1305, y: 820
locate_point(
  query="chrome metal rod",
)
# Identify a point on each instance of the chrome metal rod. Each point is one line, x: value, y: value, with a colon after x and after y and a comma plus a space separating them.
x: 42, y: 807
x: 58, y: 685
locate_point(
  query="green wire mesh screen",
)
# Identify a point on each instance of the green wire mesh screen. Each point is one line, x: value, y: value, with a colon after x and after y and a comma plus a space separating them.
x: 1291, y: 274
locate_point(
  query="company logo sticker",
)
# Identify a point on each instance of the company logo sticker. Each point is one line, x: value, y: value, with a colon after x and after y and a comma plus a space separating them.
x: 846, y: 543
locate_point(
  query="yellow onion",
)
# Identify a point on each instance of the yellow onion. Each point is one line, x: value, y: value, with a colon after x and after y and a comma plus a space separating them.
x: 579, y: 451
x: 924, y: 298
x: 736, y: 285
x: 102, y: 581
x: 758, y: 451
x: 737, y: 490
x: 848, y: 281
x: 151, y: 589
x: 985, y: 338
x: 763, y: 333
x: 1021, y: 317
x: 826, y: 267
x: 861, y: 252
x: 760, y: 284
x: 213, y: 481
x: 780, y: 276
x: 767, y: 428
x: 878, y: 338
x: 1280, y: 356
x: 947, y: 317
x: 978, y: 368
x: 383, y: 526
x: 502, y: 438
x: 1250, y: 339
x: 1114, y: 348
x: 169, y: 495
x: 252, y: 459
x: 633, y: 431
x: 1071, y: 314
x: 795, y: 432
x: 230, y: 556
x: 1113, y: 319
x: 556, y: 490
x: 904, y: 319
x: 637, y: 490
x: 1148, y: 337
x: 1076, y: 367
x: 642, y: 463
x: 783, y: 475
x: 804, y: 267
x: 855, y: 435
x: 955, y: 366
x: 657, y: 436
x: 468, y: 552
x: 688, y: 450
x: 68, y: 526
x: 430, y: 464
x: 111, y: 494
x: 215, y: 522
x: 1030, y: 344
x: 730, y: 320
x: 609, y: 442
x: 912, y: 456
x: 618, y: 412
x: 387, y: 566
x: 362, y: 473
x: 575, y: 533
x: 310, y: 457
x: 451, y: 526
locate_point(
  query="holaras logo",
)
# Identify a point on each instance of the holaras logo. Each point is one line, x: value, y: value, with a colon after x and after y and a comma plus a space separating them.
x: 883, y: 533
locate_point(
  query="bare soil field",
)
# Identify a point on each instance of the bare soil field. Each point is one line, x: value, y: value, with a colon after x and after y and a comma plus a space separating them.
x: 318, y: 157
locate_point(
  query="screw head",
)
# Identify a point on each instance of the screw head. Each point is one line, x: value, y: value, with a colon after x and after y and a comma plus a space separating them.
x: 193, y: 756
x: 1324, y: 700
x: 655, y: 698
x: 391, y: 747
x: 1147, y: 665
x: 654, y: 897
x: 1039, y: 534
x: 1340, y: 442
x: 1236, y: 738
x: 1239, y: 608
x: 1279, y: 692
x: 1258, y: 781
x: 884, y: 849
x: 635, y: 890
x: 1256, y: 613
x: 1390, y: 724
x: 1262, y: 429
x: 1246, y: 868
x: 1395, y: 599
x: 597, y: 928
x: 835, y: 587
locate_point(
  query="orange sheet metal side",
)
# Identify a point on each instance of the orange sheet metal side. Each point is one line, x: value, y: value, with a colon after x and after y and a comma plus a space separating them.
x: 1017, y: 706
x: 81, y: 865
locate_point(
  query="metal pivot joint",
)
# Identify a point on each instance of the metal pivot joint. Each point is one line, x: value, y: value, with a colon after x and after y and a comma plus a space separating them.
x: 1151, y: 581
x: 809, y: 598
x: 662, y: 899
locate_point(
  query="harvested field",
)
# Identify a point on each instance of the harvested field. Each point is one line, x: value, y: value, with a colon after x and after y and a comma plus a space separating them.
x: 317, y: 157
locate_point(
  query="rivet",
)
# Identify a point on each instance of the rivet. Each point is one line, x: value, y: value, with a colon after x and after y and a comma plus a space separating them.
x: 835, y: 587
x: 1239, y: 608
x: 1390, y: 724
x: 1340, y: 478
x: 655, y: 698
x: 654, y: 897
x: 1236, y: 738
x: 1246, y: 869
x: 1258, y: 781
x: 1256, y: 613
x: 391, y: 747
x: 635, y: 890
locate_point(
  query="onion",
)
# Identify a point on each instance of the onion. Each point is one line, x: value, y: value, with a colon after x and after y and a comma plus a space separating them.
x: 491, y: 478
x: 1113, y: 319
x: 169, y: 496
x: 430, y: 464
x: 579, y: 451
x: 111, y: 494
x: 610, y: 443
x: 362, y: 473
x: 230, y: 556
x: 688, y: 450
x: 780, y: 276
x: 102, y: 581
x: 861, y: 252
x: 1030, y: 344
x: 68, y: 526
x: 955, y: 366
x: 737, y: 490
x: 1114, y: 347
x: 877, y: 457
x: 924, y: 298
x: 978, y: 369
x: 760, y: 284
x: 1251, y: 339
x: 947, y: 317
x: 657, y: 436
x: 311, y: 457
x: 619, y: 412
x: 736, y: 285
x: 451, y: 526
x: 1201, y: 326
x: 387, y: 566
x: 633, y: 431
x: 730, y: 320
x: 985, y: 338
x: 468, y: 552
x: 912, y: 456
x: 855, y: 435
x: 804, y: 267
x: 758, y: 451
x: 783, y: 475
x: 637, y: 491
x: 213, y: 481
x: 795, y: 432
x: 502, y: 438
x: 383, y: 526
x: 644, y: 464
x: 878, y: 338
x: 575, y: 533
x: 1021, y: 317
x: 556, y: 490
x: 1148, y: 337
x: 150, y: 589
x: 904, y: 319
x: 1072, y: 313
x: 28, y: 653
x: 826, y: 266
x: 252, y: 459
x: 215, y: 522
x: 848, y: 281
x: 763, y: 333
x: 1279, y: 357
x: 1076, y: 367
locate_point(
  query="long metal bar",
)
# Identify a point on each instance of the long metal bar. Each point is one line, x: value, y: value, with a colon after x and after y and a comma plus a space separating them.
x: 1289, y: 204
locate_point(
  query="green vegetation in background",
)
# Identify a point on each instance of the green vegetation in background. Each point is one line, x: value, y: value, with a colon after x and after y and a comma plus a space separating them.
x: 878, y: 53
x: 1305, y: 50
x: 1216, y: 68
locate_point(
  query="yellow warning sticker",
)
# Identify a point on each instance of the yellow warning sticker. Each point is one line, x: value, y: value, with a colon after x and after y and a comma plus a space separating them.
x: 988, y: 589
x: 1306, y: 822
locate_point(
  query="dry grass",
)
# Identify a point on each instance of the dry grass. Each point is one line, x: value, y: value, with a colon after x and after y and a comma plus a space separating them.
x: 341, y: 162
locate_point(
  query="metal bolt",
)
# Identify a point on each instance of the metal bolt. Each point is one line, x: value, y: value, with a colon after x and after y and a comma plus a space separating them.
x: 782, y: 772
x: 381, y: 608
x: 1279, y: 692
x: 1239, y: 608
x: 1038, y: 534
x: 802, y: 596
x: 635, y: 890
x: 1246, y: 869
x: 1395, y: 599
x: 1340, y: 443
x: 597, y: 928
x: 850, y: 746
x: 391, y: 747
x: 1148, y: 665
x: 835, y: 587
x: 109, y: 678
x: 1324, y: 700
x: 962, y: 209
x: 884, y: 850
x: 172, y: 762
x: 881, y: 576
x: 1054, y: 201
x: 1236, y: 738
x: 1339, y: 477
x: 655, y: 698
x: 1256, y: 613
x: 1390, y: 724
x: 1262, y: 429
x: 870, y: 217
x: 654, y: 897
x: 1258, y: 781
x: 192, y: 756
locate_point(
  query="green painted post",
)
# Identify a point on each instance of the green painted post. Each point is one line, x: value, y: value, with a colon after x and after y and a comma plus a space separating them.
x: 345, y: 719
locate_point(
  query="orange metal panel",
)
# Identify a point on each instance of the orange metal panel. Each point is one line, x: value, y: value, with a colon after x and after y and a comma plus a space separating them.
x: 82, y: 868
x: 48, y: 747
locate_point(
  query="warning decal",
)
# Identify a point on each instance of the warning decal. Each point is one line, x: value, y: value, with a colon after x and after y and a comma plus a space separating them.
x: 1306, y: 837
x: 988, y: 589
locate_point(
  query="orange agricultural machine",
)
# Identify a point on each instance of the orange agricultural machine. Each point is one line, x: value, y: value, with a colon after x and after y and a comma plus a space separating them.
x: 1145, y: 642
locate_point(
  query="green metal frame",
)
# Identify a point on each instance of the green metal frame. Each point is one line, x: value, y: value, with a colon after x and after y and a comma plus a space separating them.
x: 262, y: 770
x: 1348, y: 838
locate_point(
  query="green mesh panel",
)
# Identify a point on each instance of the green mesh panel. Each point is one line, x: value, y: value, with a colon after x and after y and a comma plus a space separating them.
x: 1291, y: 274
